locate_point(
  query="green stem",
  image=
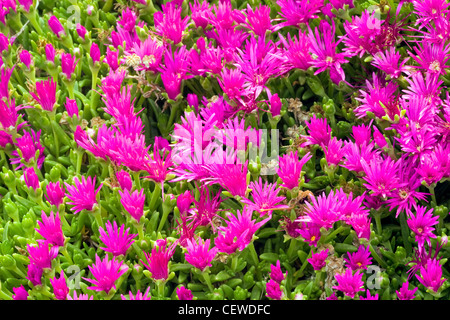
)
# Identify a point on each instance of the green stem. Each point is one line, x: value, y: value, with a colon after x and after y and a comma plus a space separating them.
x: 433, y: 195
x: 333, y: 234
x: 253, y: 254
x: 65, y: 253
x: 376, y: 256
x: 98, y: 217
x: 207, y: 279
x: 79, y: 160
x: 378, y: 223
x: 154, y: 197
x: 161, y: 286
x: 405, y: 233
x: 137, y: 180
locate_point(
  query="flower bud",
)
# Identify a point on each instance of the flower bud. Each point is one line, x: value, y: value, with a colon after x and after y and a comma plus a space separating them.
x: 25, y: 58
x: 81, y: 31
x: 95, y: 53
x: 275, y: 105
x: 56, y: 26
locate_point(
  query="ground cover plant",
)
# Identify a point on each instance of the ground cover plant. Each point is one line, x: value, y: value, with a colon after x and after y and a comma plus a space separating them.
x: 220, y: 150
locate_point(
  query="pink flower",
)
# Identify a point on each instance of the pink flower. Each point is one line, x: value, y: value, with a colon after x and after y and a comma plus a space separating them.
x: 296, y: 12
x: 55, y: 193
x: 124, y: 179
x: 310, y: 232
x: 45, y: 94
x: 60, y: 288
x: 389, y: 62
x: 169, y: 23
x: 133, y: 202
x: 199, y: 254
x: 116, y: 241
x: 319, y: 131
x: 68, y: 64
x: 184, y: 294
x: 56, y: 26
x: 290, y: 168
x: 431, y: 275
x: 139, y: 295
x: 20, y: 293
x: 323, y: 210
x: 369, y: 296
x: 158, y: 260
x: 275, y: 272
x: 83, y: 195
x: 273, y: 290
x: 239, y: 231
x: 81, y: 31
x: 349, y: 283
x: 50, y: 53
x: 34, y: 274
x: 265, y: 198
x: 324, y: 49
x: 360, y: 259
x: 42, y: 255
x: 105, y: 273
x: 404, y: 293
x: 422, y: 224
x: 26, y: 58
x: 50, y: 228
x: 71, y: 107
x: 381, y: 176
x: 318, y: 259
x: 27, y: 147
x: 79, y: 297
x: 31, y: 178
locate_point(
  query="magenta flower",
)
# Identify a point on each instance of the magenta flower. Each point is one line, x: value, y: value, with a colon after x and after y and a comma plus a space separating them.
x: 422, y: 224
x: 184, y: 202
x: 360, y: 259
x: 258, y: 20
x: 239, y: 231
x: 60, y: 288
x: 133, y: 202
x: 42, y: 255
x: 116, y: 241
x: 324, y: 49
x: 158, y: 260
x: 81, y: 31
x: 20, y: 293
x: 334, y: 151
x: 318, y: 259
x: 27, y: 147
x: 275, y: 272
x: 381, y: 176
x: 389, y: 62
x: 174, y: 70
x: 31, y: 178
x: 94, y: 53
x: 55, y: 193
x: 68, y: 64
x: 265, y: 198
x: 184, y: 293
x: 349, y: 283
x: 199, y: 254
x: 169, y: 23
x: 273, y: 290
x: 56, y: 26
x: 310, y: 232
x: 80, y: 296
x: 297, y: 54
x: 50, y: 228
x: 50, y: 53
x: 26, y: 58
x: 232, y: 177
x: 431, y: 275
x: 34, y: 274
x: 139, y: 295
x: 322, y: 210
x: 105, y: 273
x: 319, y: 131
x: 296, y: 12
x: 432, y: 57
x: 290, y: 168
x: 124, y: 179
x: 83, y: 195
x: 71, y: 107
x: 404, y: 293
x: 45, y: 94
x: 369, y: 296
